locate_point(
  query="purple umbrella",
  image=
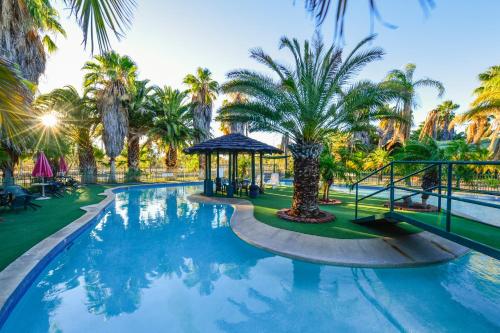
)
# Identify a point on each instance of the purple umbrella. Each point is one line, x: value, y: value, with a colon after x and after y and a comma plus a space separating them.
x: 63, y: 167
x: 42, y: 169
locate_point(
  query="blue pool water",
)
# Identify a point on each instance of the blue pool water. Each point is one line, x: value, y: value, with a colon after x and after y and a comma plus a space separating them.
x: 159, y: 263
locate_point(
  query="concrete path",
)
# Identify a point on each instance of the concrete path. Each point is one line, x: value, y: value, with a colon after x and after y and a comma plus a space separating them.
x: 406, y: 251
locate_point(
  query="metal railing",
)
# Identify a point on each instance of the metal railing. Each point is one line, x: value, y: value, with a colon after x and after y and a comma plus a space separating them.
x: 445, y: 191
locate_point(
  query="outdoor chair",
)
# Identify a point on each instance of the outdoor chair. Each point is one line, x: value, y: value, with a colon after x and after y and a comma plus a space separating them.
x: 20, y: 198
x: 5, y: 199
x: 225, y: 184
x: 55, y: 189
x: 244, y: 185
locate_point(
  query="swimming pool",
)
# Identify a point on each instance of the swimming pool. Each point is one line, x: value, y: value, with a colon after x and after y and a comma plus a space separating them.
x: 158, y: 262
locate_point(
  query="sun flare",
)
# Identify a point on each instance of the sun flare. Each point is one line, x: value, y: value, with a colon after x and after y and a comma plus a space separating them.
x: 49, y: 119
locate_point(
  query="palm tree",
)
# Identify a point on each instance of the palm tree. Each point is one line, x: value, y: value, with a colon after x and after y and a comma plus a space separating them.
x: 109, y: 79
x: 14, y: 111
x: 425, y: 150
x: 484, y: 114
x: 403, y: 80
x: 446, y: 124
x: 429, y: 127
x: 233, y: 127
x: 203, y: 91
x: 308, y: 101
x: 377, y: 159
x: 27, y: 27
x: 81, y: 120
x: 140, y: 120
x: 174, y: 122
x: 321, y: 8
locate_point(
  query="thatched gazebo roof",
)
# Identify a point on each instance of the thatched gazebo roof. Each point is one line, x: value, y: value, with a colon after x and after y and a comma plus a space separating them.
x: 232, y: 143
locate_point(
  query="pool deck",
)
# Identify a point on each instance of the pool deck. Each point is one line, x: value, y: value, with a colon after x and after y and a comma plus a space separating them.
x: 404, y: 251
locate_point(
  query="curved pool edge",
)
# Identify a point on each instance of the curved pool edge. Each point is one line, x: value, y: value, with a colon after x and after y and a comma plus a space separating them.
x: 413, y: 250
x: 18, y: 276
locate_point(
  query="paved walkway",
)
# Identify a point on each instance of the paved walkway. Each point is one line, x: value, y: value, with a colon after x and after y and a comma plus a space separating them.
x: 406, y: 251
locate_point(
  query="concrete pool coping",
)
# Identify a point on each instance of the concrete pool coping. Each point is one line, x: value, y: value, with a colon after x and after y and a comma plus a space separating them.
x: 16, y: 278
x: 413, y: 250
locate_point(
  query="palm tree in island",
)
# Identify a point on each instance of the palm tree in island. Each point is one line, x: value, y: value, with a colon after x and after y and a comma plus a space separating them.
x: 81, y: 120
x: 140, y: 119
x: 407, y: 85
x: 173, y: 124
x: 109, y: 78
x: 203, y: 90
x: 307, y: 101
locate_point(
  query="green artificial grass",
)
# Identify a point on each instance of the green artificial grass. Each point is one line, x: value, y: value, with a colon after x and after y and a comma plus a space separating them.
x: 267, y: 204
x: 22, y: 229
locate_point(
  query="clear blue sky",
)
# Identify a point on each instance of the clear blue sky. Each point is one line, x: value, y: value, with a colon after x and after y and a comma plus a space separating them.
x: 170, y: 38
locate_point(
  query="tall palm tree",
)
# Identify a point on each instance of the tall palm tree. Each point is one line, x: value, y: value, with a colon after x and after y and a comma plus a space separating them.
x: 26, y: 28
x: 81, y: 118
x: 484, y: 114
x: 203, y: 91
x: 430, y: 125
x: 140, y: 120
x: 308, y: 101
x: 404, y: 81
x: 174, y: 122
x: 446, y: 124
x: 233, y: 127
x: 15, y: 98
x: 109, y: 79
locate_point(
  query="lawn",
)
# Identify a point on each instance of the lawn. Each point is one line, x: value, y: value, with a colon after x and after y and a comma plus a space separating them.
x: 267, y: 204
x: 20, y: 230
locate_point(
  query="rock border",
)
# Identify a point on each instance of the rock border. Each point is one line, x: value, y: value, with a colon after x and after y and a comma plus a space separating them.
x: 412, y: 250
x: 325, y: 217
x: 401, y: 206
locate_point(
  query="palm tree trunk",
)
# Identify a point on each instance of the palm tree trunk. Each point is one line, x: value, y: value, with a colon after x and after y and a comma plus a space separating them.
x: 171, y: 156
x: 306, y: 179
x: 86, y: 159
x: 8, y: 165
x: 429, y: 180
x: 20, y: 41
x: 406, y: 127
x: 112, y: 170
x: 133, y: 150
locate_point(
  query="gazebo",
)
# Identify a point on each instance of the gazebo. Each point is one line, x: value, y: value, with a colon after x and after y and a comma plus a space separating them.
x: 232, y: 145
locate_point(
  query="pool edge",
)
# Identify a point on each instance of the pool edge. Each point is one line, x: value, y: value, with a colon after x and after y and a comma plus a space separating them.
x: 422, y: 249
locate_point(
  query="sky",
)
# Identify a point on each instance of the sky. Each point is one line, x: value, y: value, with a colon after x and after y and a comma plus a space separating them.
x: 169, y: 39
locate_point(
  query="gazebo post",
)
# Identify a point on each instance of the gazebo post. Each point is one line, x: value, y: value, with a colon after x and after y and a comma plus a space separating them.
x: 206, y: 176
x: 235, y: 171
x: 210, y: 184
x: 218, y: 182
x: 230, y: 188
x: 254, y: 189
x: 261, y: 185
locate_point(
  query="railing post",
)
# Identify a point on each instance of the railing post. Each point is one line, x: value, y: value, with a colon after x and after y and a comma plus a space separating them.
x: 356, y: 206
x: 440, y: 173
x: 448, y: 197
x: 391, y: 203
